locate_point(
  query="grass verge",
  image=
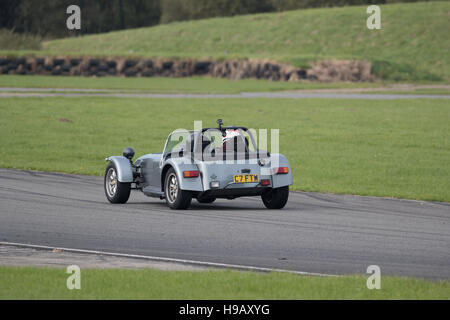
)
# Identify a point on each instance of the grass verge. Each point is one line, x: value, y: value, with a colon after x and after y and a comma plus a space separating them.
x: 396, y: 148
x: 170, y: 85
x: 198, y: 85
x: 424, y: 91
x: 50, y: 283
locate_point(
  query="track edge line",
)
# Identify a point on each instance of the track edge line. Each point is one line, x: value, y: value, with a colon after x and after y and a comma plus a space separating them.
x: 171, y: 260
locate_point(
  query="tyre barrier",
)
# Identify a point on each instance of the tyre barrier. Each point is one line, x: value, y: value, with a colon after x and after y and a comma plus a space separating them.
x: 324, y: 71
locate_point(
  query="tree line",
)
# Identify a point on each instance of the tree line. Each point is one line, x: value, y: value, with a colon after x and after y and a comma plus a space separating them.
x: 47, y: 18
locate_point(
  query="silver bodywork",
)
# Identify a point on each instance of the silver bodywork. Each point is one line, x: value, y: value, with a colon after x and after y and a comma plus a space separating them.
x: 148, y: 173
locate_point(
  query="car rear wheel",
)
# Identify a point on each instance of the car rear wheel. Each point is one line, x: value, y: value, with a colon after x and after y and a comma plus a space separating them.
x: 116, y: 192
x: 275, y: 198
x: 175, y: 197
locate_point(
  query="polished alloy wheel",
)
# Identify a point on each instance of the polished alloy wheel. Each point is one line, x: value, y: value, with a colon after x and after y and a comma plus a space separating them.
x: 111, y: 182
x: 172, y: 188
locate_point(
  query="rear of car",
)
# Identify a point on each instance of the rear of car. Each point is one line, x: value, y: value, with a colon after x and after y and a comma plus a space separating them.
x: 232, y: 166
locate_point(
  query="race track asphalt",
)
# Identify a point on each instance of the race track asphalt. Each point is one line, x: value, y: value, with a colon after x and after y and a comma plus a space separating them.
x: 320, y: 233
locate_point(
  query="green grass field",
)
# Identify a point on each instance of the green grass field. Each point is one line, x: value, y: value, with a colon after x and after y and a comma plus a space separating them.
x: 412, y: 44
x: 170, y: 85
x: 193, y: 85
x: 397, y: 148
x: 425, y: 91
x: 46, y: 283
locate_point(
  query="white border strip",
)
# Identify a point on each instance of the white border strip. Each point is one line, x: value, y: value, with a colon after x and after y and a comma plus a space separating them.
x: 173, y: 260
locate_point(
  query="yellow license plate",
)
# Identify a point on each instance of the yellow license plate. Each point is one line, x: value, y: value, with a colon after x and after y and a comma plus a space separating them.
x: 244, y: 178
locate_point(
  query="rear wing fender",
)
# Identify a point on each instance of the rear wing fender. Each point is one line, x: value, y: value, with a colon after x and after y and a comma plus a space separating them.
x: 123, y: 167
x: 280, y: 180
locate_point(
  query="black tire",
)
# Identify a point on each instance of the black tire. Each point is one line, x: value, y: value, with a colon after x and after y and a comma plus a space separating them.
x: 276, y: 198
x: 203, y: 199
x: 121, y: 192
x: 176, y: 198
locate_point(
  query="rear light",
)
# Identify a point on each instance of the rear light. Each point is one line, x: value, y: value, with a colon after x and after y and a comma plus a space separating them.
x: 265, y: 182
x: 282, y: 170
x: 191, y: 174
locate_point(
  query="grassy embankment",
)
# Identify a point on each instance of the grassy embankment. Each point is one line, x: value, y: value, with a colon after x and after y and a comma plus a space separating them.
x: 9, y: 40
x: 411, y: 46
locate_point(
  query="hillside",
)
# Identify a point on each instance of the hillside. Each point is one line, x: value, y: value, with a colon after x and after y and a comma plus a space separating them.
x: 412, y: 45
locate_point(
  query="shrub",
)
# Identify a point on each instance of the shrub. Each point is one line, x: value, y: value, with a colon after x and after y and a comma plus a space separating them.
x: 10, y: 40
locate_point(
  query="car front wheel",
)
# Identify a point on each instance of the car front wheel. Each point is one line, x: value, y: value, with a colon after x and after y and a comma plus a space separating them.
x: 175, y: 197
x: 116, y: 192
x: 275, y: 198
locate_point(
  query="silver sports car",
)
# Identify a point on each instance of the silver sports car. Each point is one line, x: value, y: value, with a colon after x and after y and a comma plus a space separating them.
x: 206, y: 164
